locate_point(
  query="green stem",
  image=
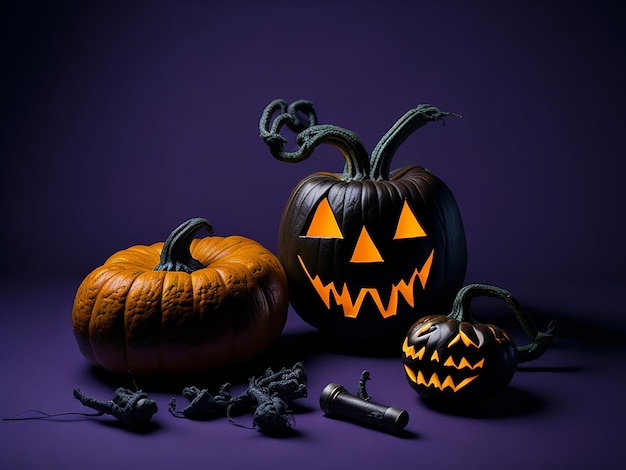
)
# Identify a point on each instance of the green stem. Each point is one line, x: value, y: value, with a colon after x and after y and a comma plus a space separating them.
x: 461, y: 311
x: 176, y: 253
x: 348, y: 143
x: 382, y: 155
x: 288, y: 114
x: 309, y: 138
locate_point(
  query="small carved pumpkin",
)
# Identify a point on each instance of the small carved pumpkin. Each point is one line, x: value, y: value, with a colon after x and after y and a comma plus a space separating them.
x: 367, y: 250
x: 454, y: 357
x: 186, y: 305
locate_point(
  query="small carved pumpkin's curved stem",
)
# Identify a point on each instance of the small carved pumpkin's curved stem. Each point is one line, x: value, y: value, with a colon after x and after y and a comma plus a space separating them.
x: 309, y: 137
x: 176, y: 254
x: 412, y: 120
x: 461, y: 311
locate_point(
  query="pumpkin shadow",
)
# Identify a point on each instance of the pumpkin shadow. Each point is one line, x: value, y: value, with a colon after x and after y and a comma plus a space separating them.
x: 285, y: 352
x: 525, y: 368
x: 282, y: 433
x: 157, y: 383
x: 506, y: 403
x: 294, y: 347
x: 143, y: 429
x: 345, y: 347
x: 300, y: 408
x: 302, y: 346
x: 402, y: 433
x: 580, y: 330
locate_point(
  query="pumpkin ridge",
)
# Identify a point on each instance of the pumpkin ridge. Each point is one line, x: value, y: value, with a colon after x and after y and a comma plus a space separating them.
x: 177, y: 320
x: 304, y: 190
x: 241, y: 246
x: 261, y: 294
x: 400, y: 173
x: 204, y: 250
x: 257, y: 293
x: 82, y: 310
x: 221, y: 249
x: 225, y: 274
x: 107, y: 319
x: 137, y: 256
x: 135, y: 328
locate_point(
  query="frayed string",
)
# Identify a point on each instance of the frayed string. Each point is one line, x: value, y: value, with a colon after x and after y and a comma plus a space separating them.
x: 45, y: 415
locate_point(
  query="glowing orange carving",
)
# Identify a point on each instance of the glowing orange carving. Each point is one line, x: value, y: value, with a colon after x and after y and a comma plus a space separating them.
x: 502, y: 337
x: 324, y: 224
x: 467, y: 341
x: 464, y: 363
x: 365, y: 251
x: 435, y: 381
x: 408, y: 225
x: 351, y: 308
x: 409, y: 351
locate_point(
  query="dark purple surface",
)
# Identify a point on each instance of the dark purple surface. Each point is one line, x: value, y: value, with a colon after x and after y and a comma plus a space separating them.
x: 121, y: 121
x: 564, y: 410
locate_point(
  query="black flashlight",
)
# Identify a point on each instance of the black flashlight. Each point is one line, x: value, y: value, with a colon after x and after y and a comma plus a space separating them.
x: 336, y: 401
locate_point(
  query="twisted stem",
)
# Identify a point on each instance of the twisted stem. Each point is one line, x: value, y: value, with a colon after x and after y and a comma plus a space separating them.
x: 288, y: 114
x: 540, y: 340
x: 412, y: 120
x: 310, y: 137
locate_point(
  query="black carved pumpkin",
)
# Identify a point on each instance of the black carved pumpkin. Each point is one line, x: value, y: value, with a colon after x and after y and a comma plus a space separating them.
x: 366, y: 251
x: 454, y: 357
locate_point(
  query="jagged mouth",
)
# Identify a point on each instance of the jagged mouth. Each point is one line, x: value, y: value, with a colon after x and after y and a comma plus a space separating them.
x: 352, y: 305
x: 434, y: 380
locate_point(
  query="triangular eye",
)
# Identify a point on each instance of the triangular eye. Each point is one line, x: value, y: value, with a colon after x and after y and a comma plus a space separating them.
x: 408, y: 225
x: 324, y: 224
x: 365, y: 251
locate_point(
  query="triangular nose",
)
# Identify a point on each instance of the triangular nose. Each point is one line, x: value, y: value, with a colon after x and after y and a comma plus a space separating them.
x: 365, y: 251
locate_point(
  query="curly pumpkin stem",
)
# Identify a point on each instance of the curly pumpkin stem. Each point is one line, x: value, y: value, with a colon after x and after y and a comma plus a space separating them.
x: 288, y: 115
x: 176, y: 254
x: 412, y: 120
x: 357, y: 159
x: 461, y: 311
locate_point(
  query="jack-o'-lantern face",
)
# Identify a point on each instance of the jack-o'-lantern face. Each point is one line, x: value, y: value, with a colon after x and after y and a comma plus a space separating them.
x: 365, y: 259
x: 324, y: 225
x: 365, y: 250
x: 445, y: 358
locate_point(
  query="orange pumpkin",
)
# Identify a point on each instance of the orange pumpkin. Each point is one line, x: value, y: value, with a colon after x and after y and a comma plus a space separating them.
x: 186, y: 305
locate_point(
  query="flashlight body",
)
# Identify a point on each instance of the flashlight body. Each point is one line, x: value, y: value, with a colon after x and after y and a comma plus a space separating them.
x: 336, y: 401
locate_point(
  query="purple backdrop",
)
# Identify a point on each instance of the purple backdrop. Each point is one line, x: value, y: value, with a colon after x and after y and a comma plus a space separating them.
x: 121, y: 120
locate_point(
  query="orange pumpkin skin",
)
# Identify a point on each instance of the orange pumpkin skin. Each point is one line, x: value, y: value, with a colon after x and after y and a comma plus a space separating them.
x: 129, y: 317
